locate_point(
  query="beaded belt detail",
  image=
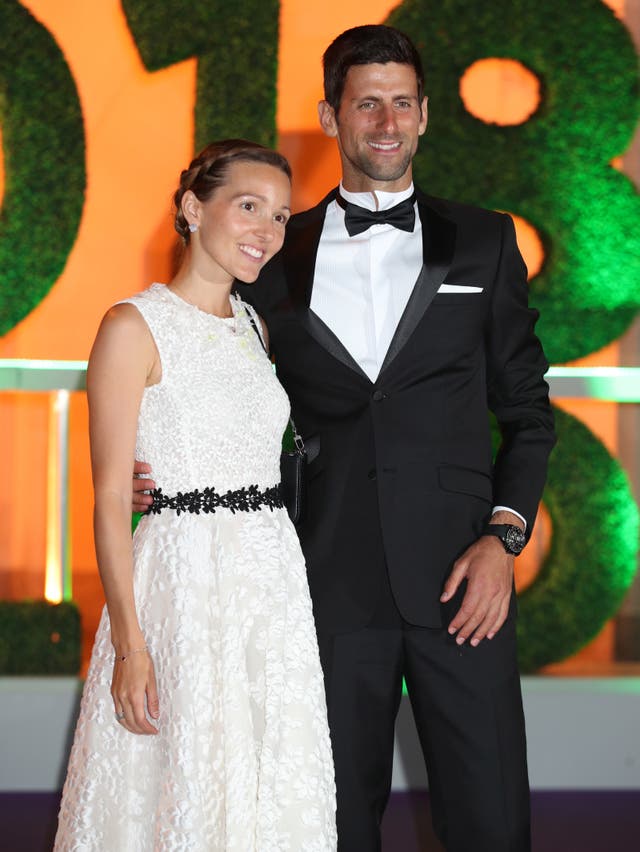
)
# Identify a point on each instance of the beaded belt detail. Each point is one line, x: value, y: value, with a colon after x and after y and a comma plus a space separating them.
x: 248, y: 499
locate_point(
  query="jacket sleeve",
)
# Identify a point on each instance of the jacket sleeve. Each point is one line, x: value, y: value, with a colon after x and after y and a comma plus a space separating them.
x: 517, y: 392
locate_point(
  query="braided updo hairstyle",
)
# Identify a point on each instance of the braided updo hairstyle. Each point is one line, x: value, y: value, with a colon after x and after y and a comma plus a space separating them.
x: 209, y: 169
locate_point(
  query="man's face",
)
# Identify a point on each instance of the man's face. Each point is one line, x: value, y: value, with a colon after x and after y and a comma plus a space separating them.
x: 377, y: 126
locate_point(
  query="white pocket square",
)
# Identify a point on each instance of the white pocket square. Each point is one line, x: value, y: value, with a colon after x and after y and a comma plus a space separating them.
x: 459, y: 288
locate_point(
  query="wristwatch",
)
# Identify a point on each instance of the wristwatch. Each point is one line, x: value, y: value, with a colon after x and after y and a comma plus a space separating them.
x: 511, y: 536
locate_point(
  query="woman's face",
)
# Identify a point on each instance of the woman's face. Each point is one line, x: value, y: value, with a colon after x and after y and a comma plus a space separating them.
x: 242, y: 225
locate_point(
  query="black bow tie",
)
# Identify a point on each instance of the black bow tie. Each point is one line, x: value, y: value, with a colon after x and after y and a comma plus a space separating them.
x: 359, y: 219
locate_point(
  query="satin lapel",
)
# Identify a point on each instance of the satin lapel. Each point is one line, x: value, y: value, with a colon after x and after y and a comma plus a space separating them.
x: 299, y: 264
x: 299, y: 256
x: 438, y: 243
x: 321, y: 332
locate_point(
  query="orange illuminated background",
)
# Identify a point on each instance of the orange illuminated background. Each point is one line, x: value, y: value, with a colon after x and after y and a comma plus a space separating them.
x: 139, y: 131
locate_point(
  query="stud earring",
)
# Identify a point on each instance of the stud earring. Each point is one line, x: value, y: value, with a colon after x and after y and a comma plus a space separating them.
x: 193, y: 227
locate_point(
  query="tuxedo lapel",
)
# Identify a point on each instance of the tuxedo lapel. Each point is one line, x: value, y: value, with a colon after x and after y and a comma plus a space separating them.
x: 299, y: 255
x: 321, y: 332
x: 438, y: 243
x: 300, y: 261
x: 301, y: 249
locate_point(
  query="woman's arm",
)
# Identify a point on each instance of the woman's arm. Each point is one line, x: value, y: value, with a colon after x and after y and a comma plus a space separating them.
x: 123, y: 361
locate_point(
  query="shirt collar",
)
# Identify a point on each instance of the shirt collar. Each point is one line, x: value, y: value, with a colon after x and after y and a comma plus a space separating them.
x: 368, y: 199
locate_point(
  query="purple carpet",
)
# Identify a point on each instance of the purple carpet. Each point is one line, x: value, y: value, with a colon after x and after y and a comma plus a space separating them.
x: 562, y: 822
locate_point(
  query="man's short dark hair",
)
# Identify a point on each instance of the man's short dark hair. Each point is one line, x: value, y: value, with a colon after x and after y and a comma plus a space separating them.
x: 364, y: 46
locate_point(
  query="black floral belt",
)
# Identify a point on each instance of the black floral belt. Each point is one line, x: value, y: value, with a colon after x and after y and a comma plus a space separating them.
x: 247, y: 499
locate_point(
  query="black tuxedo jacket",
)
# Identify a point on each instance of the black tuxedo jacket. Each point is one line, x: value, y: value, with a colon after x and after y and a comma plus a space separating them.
x: 402, y: 476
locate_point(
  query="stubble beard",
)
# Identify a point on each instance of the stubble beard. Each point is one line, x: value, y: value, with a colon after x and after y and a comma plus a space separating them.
x: 381, y: 172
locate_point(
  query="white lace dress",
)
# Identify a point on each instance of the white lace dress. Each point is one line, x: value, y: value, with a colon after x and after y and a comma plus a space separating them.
x: 242, y: 760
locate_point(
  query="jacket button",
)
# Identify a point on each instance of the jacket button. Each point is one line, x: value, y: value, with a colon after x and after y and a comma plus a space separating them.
x: 377, y: 396
x: 372, y: 473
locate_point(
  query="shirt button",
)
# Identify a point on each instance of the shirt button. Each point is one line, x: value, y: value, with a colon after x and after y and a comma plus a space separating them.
x: 372, y: 473
x: 377, y: 396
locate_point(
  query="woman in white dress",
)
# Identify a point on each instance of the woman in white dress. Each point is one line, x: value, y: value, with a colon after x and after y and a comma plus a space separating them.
x: 203, y: 720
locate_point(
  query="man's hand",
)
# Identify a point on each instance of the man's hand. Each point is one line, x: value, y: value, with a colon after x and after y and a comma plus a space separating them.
x: 488, y: 569
x: 140, y: 501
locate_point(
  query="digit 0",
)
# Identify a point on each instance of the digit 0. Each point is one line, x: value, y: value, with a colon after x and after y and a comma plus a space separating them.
x: 44, y: 153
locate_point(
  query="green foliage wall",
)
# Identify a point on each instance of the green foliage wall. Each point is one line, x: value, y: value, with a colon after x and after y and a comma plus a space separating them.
x: 554, y: 170
x: 43, y: 142
x: 39, y: 638
x: 237, y: 49
x: 592, y: 560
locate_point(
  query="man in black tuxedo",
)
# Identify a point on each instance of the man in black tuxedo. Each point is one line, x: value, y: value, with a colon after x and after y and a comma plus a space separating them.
x: 393, y: 344
x: 394, y: 334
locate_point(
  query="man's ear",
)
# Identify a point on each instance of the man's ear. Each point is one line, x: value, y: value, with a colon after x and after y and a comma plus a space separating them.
x: 327, y: 117
x: 424, y: 116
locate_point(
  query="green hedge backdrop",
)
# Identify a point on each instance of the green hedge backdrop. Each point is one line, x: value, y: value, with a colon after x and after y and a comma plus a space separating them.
x: 554, y: 170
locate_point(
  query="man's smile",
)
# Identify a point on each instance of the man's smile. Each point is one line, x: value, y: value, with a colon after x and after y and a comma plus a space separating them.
x: 384, y: 146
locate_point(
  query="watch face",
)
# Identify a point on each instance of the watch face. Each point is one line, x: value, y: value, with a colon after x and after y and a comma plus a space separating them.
x: 514, y: 539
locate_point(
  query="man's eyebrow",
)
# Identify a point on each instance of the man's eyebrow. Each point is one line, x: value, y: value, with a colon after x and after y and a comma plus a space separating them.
x: 380, y: 97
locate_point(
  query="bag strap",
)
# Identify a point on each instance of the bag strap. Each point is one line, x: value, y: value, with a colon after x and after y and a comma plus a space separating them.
x: 297, y: 437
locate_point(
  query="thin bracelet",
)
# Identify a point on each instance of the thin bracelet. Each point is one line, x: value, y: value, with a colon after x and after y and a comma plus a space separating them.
x: 123, y: 657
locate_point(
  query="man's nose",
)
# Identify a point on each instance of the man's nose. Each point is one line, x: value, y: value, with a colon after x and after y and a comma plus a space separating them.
x: 388, y: 119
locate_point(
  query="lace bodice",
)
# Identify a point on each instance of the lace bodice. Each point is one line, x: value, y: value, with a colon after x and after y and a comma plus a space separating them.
x: 230, y: 443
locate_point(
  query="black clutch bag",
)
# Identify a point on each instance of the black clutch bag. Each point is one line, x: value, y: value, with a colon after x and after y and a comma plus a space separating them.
x: 293, y: 466
x: 293, y: 463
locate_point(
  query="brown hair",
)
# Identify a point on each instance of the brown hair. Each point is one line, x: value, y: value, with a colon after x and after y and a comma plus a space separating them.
x: 209, y: 169
x: 365, y: 45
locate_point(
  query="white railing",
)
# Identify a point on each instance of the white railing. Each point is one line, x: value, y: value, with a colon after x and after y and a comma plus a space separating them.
x: 59, y: 378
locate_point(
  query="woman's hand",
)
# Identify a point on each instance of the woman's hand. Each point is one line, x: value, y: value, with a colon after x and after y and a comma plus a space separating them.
x: 133, y: 689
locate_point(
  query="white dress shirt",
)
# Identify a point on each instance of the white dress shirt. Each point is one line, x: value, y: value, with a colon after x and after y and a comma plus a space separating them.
x: 362, y: 283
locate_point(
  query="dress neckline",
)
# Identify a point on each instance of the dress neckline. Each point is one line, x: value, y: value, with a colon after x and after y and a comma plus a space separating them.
x: 234, y: 302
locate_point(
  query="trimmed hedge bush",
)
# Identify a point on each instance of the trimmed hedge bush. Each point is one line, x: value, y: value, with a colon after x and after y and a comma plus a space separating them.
x: 43, y: 143
x: 592, y: 560
x: 236, y: 45
x: 39, y: 638
x: 554, y: 169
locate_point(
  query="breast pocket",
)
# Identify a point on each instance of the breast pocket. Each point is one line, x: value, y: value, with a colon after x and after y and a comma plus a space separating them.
x: 462, y: 300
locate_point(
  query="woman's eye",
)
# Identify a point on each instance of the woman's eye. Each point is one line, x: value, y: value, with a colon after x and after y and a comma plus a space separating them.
x: 248, y: 205
x: 281, y: 218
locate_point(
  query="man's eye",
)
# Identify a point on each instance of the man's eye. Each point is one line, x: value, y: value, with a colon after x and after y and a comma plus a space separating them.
x: 248, y: 205
x: 403, y: 104
x: 281, y: 218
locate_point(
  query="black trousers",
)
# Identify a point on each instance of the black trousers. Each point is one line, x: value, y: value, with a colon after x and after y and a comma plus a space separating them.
x: 467, y: 707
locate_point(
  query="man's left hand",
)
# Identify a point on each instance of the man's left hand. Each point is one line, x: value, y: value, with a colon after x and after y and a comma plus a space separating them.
x: 488, y: 569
